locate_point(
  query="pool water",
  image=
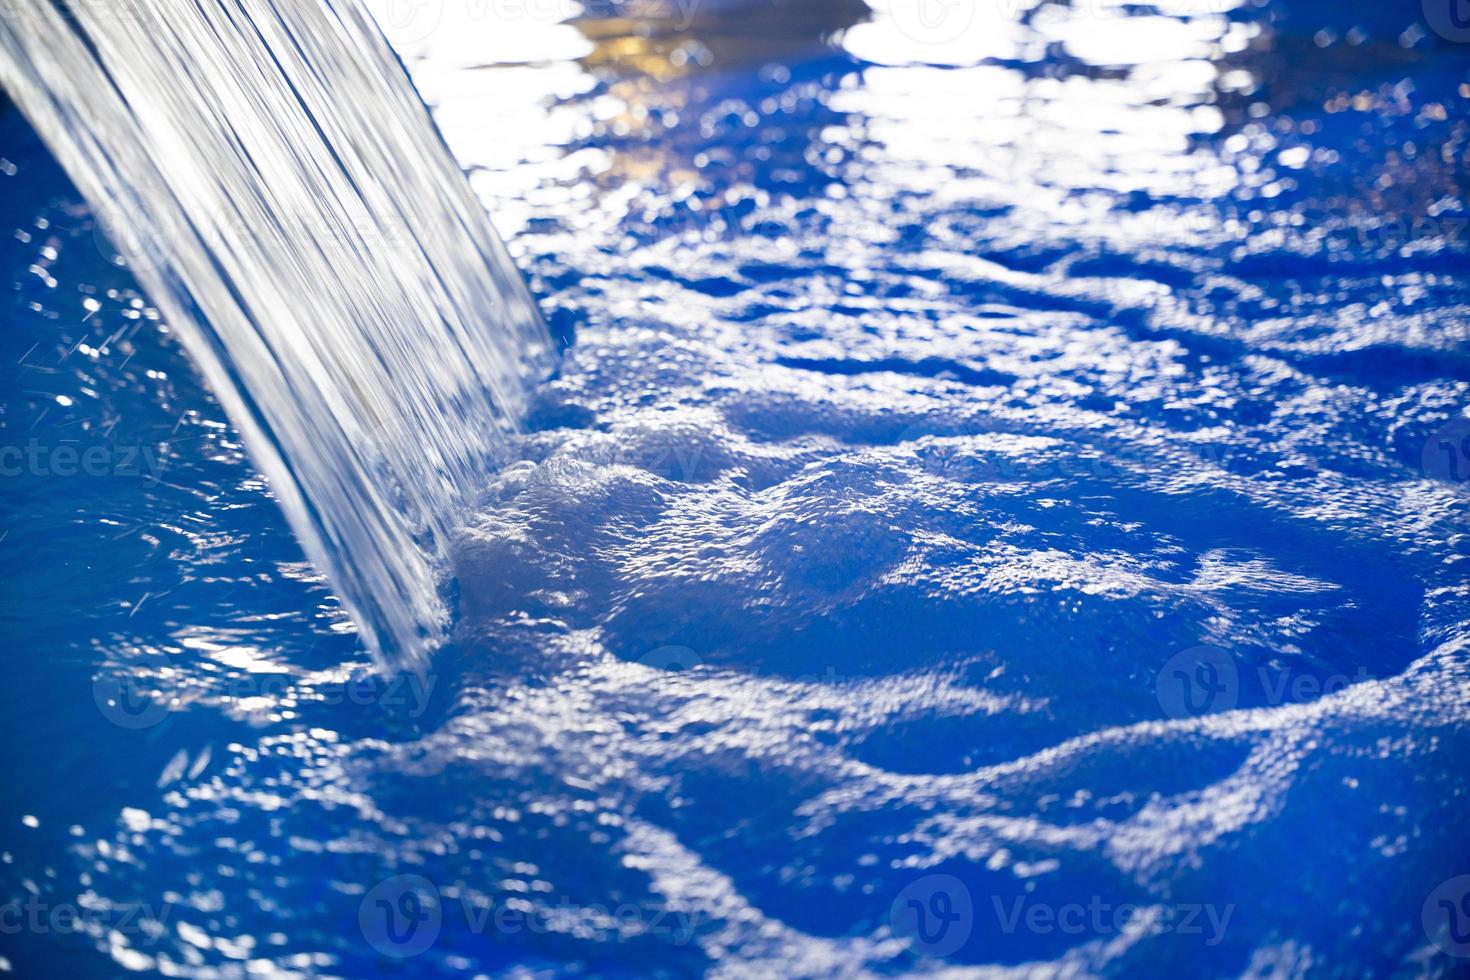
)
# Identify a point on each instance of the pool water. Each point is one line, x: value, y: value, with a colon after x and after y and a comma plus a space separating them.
x: 1004, y: 506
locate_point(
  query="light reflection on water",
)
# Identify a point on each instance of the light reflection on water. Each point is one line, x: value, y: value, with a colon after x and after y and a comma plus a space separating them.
x: 990, y: 129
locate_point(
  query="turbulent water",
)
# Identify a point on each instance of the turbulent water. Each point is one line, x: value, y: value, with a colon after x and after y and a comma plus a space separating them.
x: 271, y: 179
x: 1003, y: 509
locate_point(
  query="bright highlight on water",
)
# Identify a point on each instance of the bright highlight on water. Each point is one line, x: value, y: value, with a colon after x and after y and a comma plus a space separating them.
x: 296, y: 218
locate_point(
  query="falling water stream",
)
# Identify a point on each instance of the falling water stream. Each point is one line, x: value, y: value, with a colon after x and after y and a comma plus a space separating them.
x: 296, y: 217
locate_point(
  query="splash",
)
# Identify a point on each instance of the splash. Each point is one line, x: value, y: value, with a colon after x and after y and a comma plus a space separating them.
x: 271, y: 177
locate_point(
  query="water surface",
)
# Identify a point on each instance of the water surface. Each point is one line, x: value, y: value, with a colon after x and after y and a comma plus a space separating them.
x: 1001, y: 509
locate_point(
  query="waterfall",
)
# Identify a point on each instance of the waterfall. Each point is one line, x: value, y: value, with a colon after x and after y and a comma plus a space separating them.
x: 275, y: 184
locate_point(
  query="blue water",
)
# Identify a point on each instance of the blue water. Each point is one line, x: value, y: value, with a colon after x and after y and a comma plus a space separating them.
x: 1002, y: 507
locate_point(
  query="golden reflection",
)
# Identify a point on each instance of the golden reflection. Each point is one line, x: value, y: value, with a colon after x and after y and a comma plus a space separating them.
x: 727, y: 36
x: 942, y: 106
x: 615, y: 45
